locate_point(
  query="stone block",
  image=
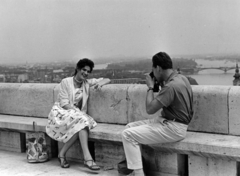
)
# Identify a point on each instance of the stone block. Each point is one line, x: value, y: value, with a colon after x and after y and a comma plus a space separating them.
x: 211, y: 109
x: 136, y: 103
x: 26, y: 99
x: 108, y: 154
x: 12, y: 141
x: 172, y: 163
x: 199, y: 166
x: 109, y: 105
x: 164, y: 163
x: 234, y: 110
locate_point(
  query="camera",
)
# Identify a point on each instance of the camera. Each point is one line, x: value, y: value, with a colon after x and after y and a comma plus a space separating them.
x: 156, y: 84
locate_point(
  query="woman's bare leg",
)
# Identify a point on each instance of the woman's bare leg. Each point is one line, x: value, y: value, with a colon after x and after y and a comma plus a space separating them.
x: 83, y: 137
x: 67, y: 145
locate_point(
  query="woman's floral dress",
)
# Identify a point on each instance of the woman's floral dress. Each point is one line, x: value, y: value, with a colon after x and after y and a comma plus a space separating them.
x: 63, y: 124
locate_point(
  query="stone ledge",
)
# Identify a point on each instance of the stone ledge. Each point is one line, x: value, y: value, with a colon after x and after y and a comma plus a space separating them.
x: 22, y: 123
x: 107, y: 132
x: 205, y: 144
x: 201, y: 144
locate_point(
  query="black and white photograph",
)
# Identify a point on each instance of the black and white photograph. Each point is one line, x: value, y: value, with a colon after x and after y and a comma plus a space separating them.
x: 119, y: 87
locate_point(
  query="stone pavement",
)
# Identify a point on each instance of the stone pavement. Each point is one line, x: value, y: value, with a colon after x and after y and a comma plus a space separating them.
x: 15, y: 164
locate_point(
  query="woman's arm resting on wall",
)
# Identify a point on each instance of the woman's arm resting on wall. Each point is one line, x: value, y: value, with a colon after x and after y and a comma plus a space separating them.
x: 102, y: 83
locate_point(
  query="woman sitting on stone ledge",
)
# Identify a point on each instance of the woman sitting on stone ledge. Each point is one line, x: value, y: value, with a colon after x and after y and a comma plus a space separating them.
x: 67, y: 120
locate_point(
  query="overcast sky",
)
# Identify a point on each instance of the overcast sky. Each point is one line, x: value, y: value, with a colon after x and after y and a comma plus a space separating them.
x: 56, y: 30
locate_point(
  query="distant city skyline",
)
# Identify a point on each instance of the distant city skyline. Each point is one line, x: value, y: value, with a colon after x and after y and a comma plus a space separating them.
x: 57, y: 30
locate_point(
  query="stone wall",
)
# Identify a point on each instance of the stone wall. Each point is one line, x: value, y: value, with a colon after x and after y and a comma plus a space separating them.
x: 216, y: 111
x: 216, y: 107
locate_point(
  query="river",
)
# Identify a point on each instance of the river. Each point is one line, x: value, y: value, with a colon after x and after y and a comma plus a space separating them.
x: 213, y: 76
x: 208, y: 77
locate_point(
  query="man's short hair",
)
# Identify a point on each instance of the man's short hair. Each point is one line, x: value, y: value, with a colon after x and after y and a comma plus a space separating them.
x: 162, y: 60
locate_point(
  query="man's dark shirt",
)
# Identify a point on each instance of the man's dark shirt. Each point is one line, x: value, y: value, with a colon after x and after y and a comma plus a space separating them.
x: 177, y: 98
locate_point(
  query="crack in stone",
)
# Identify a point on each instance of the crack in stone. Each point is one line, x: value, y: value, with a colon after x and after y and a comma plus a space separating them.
x: 114, y: 105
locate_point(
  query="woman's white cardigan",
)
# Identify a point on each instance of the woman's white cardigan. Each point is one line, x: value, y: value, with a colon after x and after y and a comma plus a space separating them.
x: 66, y: 92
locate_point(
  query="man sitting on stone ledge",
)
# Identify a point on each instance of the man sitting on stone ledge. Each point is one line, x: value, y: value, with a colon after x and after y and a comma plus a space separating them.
x: 176, y: 101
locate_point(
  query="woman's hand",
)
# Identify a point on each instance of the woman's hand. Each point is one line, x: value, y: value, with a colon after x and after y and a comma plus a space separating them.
x: 97, y: 86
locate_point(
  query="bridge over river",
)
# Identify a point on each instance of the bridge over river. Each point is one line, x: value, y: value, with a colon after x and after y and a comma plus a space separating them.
x: 198, y: 69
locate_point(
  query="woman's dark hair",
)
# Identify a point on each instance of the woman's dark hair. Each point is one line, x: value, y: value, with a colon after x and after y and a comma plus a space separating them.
x: 82, y: 63
x: 162, y: 60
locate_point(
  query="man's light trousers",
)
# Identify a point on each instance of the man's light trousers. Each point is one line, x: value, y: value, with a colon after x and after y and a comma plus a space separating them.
x: 151, y: 131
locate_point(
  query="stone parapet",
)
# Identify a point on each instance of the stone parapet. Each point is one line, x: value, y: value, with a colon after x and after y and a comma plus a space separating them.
x: 211, y: 109
x: 109, y: 105
x: 216, y: 107
x: 234, y: 110
x: 136, y: 97
x: 26, y: 99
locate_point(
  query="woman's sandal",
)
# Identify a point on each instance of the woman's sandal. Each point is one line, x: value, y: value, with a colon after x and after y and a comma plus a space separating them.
x: 63, y: 162
x: 92, y: 166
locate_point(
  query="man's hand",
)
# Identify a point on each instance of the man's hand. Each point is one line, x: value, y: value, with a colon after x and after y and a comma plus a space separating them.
x: 152, y: 105
x: 149, y: 80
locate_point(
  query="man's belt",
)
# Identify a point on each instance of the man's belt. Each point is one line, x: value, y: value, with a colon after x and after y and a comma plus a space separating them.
x: 177, y: 120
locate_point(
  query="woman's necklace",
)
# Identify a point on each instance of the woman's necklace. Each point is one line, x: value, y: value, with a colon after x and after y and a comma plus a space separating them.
x: 79, y: 83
